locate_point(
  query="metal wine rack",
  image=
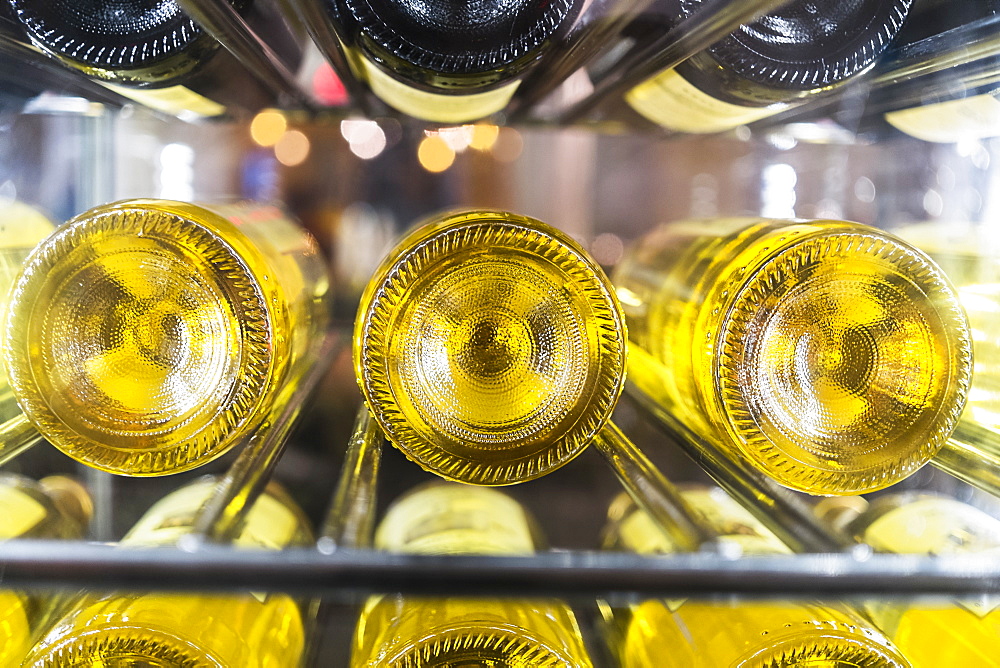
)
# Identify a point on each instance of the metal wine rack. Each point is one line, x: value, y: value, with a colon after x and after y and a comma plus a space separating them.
x: 350, y: 481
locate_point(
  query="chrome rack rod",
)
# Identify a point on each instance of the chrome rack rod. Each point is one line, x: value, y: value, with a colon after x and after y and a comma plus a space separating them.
x: 940, y: 53
x: 331, y: 45
x: 712, y: 22
x: 17, y: 435
x: 972, y: 455
x: 224, y: 23
x: 967, y: 57
x: 351, y: 518
x: 775, y: 507
x: 222, y: 516
x: 67, y: 79
x: 598, y: 25
x: 650, y: 489
x: 59, y: 564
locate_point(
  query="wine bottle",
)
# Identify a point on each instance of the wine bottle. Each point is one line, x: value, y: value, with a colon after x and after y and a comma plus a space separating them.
x: 416, y: 632
x: 22, y: 227
x: 443, y: 62
x: 53, y: 507
x: 968, y: 253
x: 767, y: 66
x: 155, y: 54
x: 489, y: 347
x: 831, y: 356
x: 163, y: 629
x: 962, y: 632
x: 148, y: 337
x: 952, y: 105
x: 661, y: 633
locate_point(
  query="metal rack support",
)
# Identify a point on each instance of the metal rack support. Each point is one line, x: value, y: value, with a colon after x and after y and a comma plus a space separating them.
x: 712, y: 22
x: 224, y: 23
x: 775, y: 507
x: 351, y: 518
x: 222, y: 516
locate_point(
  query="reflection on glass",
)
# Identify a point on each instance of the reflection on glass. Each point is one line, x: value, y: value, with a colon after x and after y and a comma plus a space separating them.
x: 763, y: 67
x: 54, y: 507
x: 746, y: 634
x: 970, y: 255
x: 412, y: 632
x: 965, y: 632
x: 21, y: 229
x: 253, y: 630
x: 827, y: 354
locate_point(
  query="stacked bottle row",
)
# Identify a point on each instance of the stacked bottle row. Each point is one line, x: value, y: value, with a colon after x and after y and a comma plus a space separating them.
x: 491, y: 349
x: 433, y: 63
x: 257, y: 629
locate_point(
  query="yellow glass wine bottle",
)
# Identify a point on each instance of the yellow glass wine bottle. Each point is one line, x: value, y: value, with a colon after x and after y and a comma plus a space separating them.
x: 414, y: 632
x: 161, y: 629
x: 830, y: 355
x: 961, y: 632
x: 53, y: 507
x: 693, y: 633
x: 490, y: 347
x: 22, y: 227
x: 147, y: 337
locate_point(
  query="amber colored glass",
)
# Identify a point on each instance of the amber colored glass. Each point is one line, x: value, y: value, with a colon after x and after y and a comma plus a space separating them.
x: 829, y: 355
x: 490, y: 347
x: 693, y: 633
x: 413, y: 632
x: 252, y: 630
x: 147, y: 337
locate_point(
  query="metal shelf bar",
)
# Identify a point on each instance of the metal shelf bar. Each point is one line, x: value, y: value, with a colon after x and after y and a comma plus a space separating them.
x: 351, y: 519
x: 224, y: 23
x: 304, y: 571
x: 778, y: 509
x: 331, y: 45
x: 598, y: 26
x: 650, y: 489
x: 222, y: 516
x: 708, y: 25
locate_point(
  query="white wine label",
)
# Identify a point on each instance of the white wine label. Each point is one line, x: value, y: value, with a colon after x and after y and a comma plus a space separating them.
x: 455, y: 519
x: 20, y: 513
x: 667, y: 99
x: 731, y: 522
x: 934, y: 526
x: 433, y: 106
x: 640, y: 534
x: 976, y: 117
x: 270, y: 524
x: 173, y: 100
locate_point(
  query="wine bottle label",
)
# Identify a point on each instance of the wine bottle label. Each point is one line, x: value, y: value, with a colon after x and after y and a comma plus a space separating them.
x: 669, y: 100
x: 269, y: 524
x: 454, y: 520
x: 433, y: 106
x: 731, y: 522
x: 934, y: 526
x: 173, y: 100
x: 20, y: 513
x: 976, y: 117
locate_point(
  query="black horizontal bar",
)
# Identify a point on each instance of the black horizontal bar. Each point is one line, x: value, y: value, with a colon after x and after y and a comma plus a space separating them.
x: 51, y: 564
